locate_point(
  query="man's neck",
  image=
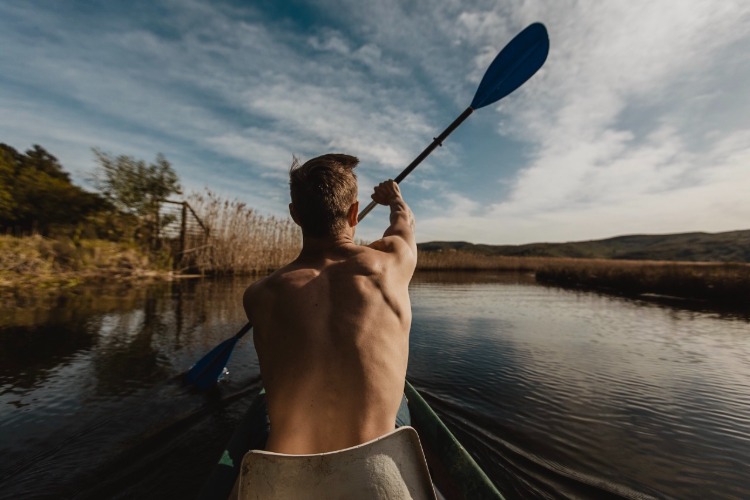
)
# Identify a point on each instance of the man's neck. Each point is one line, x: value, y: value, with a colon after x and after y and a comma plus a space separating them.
x: 327, y: 246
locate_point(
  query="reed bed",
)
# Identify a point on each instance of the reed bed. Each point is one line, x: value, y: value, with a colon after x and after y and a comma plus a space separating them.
x: 727, y: 283
x: 244, y: 241
x: 457, y: 260
x: 38, y: 261
x: 240, y: 240
x: 715, y: 281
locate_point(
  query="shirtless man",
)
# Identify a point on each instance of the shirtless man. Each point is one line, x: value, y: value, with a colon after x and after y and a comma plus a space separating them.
x: 331, y: 328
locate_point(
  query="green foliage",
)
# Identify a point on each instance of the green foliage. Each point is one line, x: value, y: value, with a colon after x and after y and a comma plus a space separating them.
x: 137, y: 191
x: 134, y: 187
x: 36, y: 194
x: 7, y: 200
x: 109, y: 225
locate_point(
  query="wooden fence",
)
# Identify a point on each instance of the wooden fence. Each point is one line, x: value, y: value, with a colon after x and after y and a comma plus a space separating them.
x: 181, y: 231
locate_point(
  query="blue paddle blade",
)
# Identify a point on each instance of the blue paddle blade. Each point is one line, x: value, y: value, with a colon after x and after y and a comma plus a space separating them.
x: 206, y: 372
x: 516, y: 63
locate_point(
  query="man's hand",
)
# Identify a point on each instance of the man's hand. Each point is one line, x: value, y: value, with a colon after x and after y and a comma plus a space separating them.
x: 387, y: 193
x: 402, y: 220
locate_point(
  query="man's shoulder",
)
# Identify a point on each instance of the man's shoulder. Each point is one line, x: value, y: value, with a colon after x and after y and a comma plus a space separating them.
x: 274, y: 280
x: 393, y: 247
x: 252, y: 291
x: 265, y: 283
x: 266, y: 288
x: 368, y: 255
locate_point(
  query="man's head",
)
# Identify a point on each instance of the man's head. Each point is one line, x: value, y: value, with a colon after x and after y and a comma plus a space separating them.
x: 324, y: 192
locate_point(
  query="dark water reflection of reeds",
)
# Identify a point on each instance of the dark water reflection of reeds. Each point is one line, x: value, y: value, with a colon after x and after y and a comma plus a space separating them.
x: 86, y: 375
x: 557, y: 393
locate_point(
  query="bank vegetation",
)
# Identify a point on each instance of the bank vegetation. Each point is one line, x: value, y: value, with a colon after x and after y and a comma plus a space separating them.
x: 726, y: 283
x: 54, y: 233
x: 240, y: 239
x: 39, y: 261
x: 723, y: 283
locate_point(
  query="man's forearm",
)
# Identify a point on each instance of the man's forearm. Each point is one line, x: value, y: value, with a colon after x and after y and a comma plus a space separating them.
x: 402, y: 219
x: 400, y: 211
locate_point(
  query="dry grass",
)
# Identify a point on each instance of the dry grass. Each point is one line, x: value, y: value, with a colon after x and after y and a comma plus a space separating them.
x: 456, y: 260
x: 241, y: 241
x: 720, y: 282
x: 39, y: 261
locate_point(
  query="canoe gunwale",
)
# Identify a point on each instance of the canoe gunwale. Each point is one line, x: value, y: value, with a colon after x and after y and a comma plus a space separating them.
x: 454, y: 472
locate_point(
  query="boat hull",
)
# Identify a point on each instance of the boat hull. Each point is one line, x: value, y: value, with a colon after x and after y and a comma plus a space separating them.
x: 455, y: 473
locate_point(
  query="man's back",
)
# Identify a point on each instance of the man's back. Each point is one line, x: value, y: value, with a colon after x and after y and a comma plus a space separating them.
x: 331, y: 330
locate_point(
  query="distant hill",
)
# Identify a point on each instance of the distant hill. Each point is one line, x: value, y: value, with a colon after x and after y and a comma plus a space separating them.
x: 731, y: 246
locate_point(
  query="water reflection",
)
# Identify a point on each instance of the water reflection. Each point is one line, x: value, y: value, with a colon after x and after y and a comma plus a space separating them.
x: 85, y: 376
x: 466, y: 278
x: 735, y: 310
x: 625, y: 398
x: 557, y: 393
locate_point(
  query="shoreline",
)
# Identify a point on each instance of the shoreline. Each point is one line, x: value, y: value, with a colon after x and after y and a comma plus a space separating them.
x: 36, y: 264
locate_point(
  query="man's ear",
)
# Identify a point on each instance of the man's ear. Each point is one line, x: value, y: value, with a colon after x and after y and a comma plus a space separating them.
x: 293, y: 213
x: 352, y: 214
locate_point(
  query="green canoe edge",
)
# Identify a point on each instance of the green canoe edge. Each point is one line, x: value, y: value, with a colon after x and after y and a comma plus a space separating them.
x: 454, y: 471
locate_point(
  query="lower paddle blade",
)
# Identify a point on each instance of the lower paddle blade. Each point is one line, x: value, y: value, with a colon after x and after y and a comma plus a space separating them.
x: 206, y: 372
x: 516, y: 63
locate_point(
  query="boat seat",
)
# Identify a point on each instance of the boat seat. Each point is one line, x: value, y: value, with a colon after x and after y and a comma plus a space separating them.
x: 389, y: 467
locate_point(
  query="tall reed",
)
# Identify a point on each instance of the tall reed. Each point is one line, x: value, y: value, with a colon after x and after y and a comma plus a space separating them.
x: 457, y: 260
x: 240, y: 240
x: 715, y: 281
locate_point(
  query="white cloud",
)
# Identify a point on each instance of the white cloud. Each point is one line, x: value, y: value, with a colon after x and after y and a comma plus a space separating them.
x: 346, y: 121
x: 639, y: 121
x: 330, y: 41
x: 592, y: 175
x: 449, y: 204
x: 258, y: 146
x: 643, y: 192
x: 140, y: 79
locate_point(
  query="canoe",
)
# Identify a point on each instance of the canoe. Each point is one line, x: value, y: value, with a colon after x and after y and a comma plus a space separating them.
x: 454, y: 472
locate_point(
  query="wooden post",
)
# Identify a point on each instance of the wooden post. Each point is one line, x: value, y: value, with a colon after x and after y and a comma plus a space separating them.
x: 183, y: 230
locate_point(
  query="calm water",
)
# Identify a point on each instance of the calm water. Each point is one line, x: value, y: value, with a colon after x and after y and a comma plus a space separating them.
x: 556, y: 393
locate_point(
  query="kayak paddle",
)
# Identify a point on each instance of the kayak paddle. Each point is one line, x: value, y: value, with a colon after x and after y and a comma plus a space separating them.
x: 516, y: 63
x: 206, y: 372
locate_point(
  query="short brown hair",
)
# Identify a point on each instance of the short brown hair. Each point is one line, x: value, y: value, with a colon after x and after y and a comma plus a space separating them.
x: 322, y: 191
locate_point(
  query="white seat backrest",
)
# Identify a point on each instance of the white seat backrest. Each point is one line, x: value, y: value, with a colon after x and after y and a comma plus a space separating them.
x: 390, y: 467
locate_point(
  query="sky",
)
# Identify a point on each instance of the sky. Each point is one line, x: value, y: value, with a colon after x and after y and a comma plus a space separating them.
x: 639, y: 121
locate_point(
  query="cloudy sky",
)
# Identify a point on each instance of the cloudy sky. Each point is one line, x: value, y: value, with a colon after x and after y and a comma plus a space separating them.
x: 639, y: 122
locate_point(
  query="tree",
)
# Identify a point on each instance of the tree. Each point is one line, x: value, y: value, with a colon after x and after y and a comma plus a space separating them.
x: 36, y: 194
x: 7, y: 200
x: 132, y: 186
x: 137, y: 190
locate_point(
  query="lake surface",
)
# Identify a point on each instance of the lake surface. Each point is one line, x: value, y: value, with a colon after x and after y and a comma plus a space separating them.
x: 557, y: 393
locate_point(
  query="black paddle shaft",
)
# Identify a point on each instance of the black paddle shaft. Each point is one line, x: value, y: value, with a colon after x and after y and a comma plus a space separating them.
x: 437, y: 141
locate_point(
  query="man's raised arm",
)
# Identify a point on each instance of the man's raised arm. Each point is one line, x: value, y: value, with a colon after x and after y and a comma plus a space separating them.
x: 402, y: 221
